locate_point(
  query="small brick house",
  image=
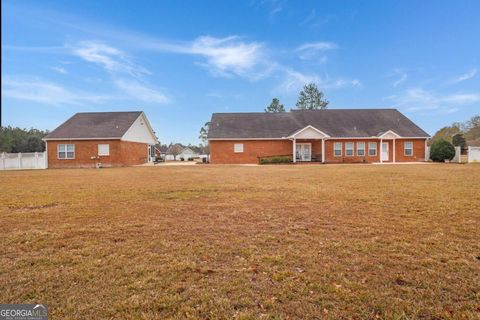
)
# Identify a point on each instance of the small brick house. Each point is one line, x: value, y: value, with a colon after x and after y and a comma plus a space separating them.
x: 327, y: 136
x: 101, y: 139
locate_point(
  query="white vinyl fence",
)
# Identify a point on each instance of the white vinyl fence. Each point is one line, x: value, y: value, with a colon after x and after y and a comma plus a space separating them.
x: 458, y: 155
x: 12, y: 161
x: 473, y: 154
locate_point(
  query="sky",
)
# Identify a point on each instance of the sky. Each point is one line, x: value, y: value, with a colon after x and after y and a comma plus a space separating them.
x: 181, y: 61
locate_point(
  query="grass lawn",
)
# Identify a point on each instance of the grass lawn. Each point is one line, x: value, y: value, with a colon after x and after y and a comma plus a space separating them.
x: 214, y: 242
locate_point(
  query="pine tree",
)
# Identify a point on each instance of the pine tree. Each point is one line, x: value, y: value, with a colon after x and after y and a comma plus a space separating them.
x: 275, y: 106
x: 311, y: 98
x: 204, y: 132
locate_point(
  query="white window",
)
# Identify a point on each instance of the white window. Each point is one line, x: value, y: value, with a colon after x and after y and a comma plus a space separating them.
x: 361, y: 149
x: 238, y: 147
x: 337, y: 149
x: 372, y: 149
x: 103, y: 149
x: 66, y: 151
x: 408, y: 148
x: 349, y: 149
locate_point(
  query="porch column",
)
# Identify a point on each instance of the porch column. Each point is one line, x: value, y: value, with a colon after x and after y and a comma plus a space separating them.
x: 427, y: 156
x: 323, y: 150
x: 394, y: 150
x: 294, y: 150
x: 380, y: 150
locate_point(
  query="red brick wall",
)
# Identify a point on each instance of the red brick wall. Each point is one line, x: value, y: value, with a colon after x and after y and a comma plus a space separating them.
x: 418, y: 150
x: 122, y: 153
x: 222, y: 151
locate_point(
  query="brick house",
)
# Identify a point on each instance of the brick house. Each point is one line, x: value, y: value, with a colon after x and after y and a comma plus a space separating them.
x: 328, y: 136
x: 101, y: 139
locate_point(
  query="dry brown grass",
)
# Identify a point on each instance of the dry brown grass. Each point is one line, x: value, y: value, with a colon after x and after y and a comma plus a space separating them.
x: 214, y: 242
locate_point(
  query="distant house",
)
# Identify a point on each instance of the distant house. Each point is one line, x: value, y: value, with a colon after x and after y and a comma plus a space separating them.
x: 161, y: 151
x: 328, y: 136
x: 179, y: 152
x: 106, y: 139
x: 188, y: 153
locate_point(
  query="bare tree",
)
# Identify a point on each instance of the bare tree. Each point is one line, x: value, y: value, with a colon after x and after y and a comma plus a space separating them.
x: 175, y: 150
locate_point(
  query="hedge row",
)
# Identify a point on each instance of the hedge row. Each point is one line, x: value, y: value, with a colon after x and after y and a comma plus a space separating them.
x: 274, y: 160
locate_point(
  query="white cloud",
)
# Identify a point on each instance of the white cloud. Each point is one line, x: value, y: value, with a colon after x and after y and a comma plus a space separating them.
x: 60, y: 70
x: 224, y: 57
x: 141, y: 92
x: 117, y: 63
x: 402, y: 77
x: 36, y: 90
x: 318, y: 46
x: 466, y: 76
x: 420, y: 100
x: 295, y: 80
x: 315, y: 50
x: 228, y: 55
x: 110, y: 58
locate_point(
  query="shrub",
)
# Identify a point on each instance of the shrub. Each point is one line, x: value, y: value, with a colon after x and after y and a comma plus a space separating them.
x: 274, y: 160
x: 442, y: 150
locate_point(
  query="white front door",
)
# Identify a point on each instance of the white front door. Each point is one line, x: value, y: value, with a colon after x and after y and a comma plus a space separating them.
x: 384, y: 151
x: 304, y: 151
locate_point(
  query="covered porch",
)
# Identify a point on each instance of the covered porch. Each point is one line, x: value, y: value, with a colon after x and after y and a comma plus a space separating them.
x: 308, y: 145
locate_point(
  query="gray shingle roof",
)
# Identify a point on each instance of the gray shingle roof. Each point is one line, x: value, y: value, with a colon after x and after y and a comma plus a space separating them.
x: 334, y: 122
x: 95, y: 125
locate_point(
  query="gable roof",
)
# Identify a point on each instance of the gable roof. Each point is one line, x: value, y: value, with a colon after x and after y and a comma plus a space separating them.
x: 95, y: 125
x: 341, y: 123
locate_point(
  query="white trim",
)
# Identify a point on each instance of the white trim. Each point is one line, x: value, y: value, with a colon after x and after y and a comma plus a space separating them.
x: 105, y: 154
x: 247, y: 139
x: 426, y: 148
x: 364, y: 149
x: 46, y: 155
x: 294, y: 158
x: 381, y: 144
x: 373, y: 138
x: 309, y: 127
x: 304, y: 144
x: 323, y: 150
x: 334, y: 149
x: 394, y: 150
x: 76, y: 139
x: 390, y: 132
x: 289, y: 138
x: 66, y: 151
x: 388, y: 151
x: 353, y: 149
x: 368, y: 149
x: 237, y: 147
x: 404, y: 149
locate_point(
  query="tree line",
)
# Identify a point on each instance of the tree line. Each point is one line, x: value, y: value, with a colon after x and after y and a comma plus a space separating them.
x: 461, y: 134
x: 14, y: 140
x: 309, y: 98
